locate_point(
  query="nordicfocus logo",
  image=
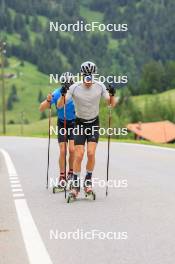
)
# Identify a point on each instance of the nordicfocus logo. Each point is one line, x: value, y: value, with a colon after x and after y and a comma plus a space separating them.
x: 111, y: 79
x: 94, y: 234
x: 96, y: 182
x: 81, y: 26
x: 79, y: 130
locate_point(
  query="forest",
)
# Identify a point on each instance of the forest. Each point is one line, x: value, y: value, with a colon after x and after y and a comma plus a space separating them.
x: 145, y: 53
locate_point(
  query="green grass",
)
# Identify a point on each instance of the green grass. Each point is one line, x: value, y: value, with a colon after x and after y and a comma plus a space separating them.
x: 44, y: 20
x: 11, y: 38
x: 113, y: 43
x: 29, y: 81
x: 35, y: 129
x: 90, y: 15
x: 164, y: 97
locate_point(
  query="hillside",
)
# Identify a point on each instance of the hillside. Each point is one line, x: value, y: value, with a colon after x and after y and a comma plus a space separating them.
x: 30, y: 82
x: 145, y: 53
x: 150, y: 25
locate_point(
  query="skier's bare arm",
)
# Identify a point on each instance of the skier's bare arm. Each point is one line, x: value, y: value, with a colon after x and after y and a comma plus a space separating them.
x: 60, y: 102
x: 46, y: 103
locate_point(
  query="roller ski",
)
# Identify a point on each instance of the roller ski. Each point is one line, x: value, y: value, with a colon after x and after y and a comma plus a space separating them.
x: 61, y: 185
x: 88, y: 192
x: 74, y: 189
x: 73, y: 194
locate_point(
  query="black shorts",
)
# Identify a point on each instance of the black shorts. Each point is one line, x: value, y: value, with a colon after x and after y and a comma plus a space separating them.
x: 87, y: 131
x: 70, y: 124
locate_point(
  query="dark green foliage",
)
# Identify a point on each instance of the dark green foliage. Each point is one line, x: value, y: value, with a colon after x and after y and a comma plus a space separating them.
x: 11, y: 122
x: 40, y: 96
x: 145, y: 53
x: 126, y: 110
x: 12, y: 98
x: 22, y: 63
x: 153, y: 110
x: 43, y: 115
x: 35, y: 24
x: 10, y: 102
x: 14, y: 94
x: 152, y: 79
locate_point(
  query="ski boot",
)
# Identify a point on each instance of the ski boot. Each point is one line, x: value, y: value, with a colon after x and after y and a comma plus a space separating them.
x: 89, y: 193
x: 74, y: 189
x: 69, y: 180
x: 61, y: 185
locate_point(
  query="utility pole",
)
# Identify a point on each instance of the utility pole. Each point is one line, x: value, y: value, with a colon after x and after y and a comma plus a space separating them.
x: 2, y: 52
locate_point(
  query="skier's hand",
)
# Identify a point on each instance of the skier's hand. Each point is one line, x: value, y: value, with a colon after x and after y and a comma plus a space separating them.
x: 111, y: 89
x: 49, y: 97
x: 63, y: 90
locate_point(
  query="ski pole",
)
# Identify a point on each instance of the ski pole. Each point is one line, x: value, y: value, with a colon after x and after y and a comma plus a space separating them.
x: 109, y: 140
x: 65, y: 143
x: 48, y: 152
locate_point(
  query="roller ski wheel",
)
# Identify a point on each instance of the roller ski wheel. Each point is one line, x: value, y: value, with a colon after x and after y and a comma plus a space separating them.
x: 89, y: 193
x: 58, y: 189
x: 61, y: 185
x: 73, y: 194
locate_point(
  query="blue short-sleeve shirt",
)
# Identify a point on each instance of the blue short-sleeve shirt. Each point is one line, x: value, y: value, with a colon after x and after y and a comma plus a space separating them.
x: 70, y: 109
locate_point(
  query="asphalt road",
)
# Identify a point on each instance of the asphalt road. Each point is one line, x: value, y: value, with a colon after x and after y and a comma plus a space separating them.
x: 141, y: 213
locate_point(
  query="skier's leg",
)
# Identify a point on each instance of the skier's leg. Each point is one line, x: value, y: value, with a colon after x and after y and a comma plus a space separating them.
x: 92, y: 141
x: 91, y: 148
x: 62, y: 147
x: 61, y: 157
x: 71, y: 157
x: 79, y: 141
x: 79, y: 153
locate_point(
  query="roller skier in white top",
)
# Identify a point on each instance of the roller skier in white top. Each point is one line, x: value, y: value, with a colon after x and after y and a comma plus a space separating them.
x: 86, y: 96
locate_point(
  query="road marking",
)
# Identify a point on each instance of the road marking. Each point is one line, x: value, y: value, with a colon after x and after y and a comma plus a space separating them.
x: 15, y: 185
x: 13, y: 182
x: 10, y: 166
x: 13, y: 178
x: 18, y: 195
x: 144, y: 146
x: 17, y: 190
x: 36, y: 250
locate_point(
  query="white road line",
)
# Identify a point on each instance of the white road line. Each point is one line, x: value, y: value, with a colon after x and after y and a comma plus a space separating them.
x: 17, y: 190
x: 14, y: 182
x: 144, y: 146
x: 36, y: 250
x: 15, y: 185
x: 15, y: 195
x: 13, y: 178
x: 37, y: 253
x: 10, y: 167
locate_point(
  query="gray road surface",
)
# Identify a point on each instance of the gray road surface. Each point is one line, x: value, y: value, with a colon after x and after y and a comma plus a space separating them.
x: 145, y: 209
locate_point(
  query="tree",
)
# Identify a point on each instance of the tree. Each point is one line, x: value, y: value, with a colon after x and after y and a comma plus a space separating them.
x: 14, y: 93
x: 10, y: 102
x: 153, y: 78
x: 43, y: 115
x: 40, y: 96
x: 170, y: 74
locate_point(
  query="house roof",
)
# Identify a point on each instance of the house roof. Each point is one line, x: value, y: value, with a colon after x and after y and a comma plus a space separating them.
x: 159, y: 132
